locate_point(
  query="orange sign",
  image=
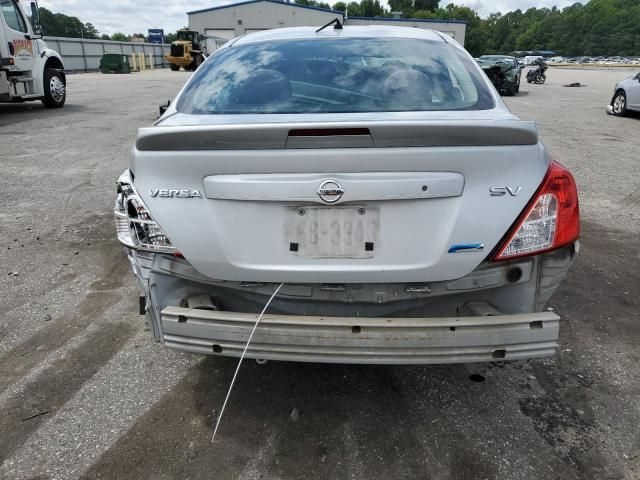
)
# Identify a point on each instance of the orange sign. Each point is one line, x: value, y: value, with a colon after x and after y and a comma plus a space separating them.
x: 19, y: 45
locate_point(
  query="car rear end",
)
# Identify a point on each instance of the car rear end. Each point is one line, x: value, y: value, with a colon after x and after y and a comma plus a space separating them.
x: 375, y: 173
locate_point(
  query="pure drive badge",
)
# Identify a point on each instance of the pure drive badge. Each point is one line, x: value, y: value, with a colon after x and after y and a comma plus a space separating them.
x: 170, y: 193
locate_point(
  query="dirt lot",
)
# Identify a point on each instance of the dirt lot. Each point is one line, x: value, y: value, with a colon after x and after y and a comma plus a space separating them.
x: 85, y: 392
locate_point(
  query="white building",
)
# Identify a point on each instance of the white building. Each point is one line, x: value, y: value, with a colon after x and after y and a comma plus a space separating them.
x: 229, y: 21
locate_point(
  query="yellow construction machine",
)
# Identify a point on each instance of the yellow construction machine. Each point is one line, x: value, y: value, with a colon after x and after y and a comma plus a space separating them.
x: 188, y: 51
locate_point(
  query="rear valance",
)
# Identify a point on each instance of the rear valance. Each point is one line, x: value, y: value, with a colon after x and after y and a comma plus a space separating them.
x: 392, y: 134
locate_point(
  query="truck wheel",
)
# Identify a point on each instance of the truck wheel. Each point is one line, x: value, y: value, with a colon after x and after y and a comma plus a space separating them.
x: 55, y: 91
x: 173, y: 67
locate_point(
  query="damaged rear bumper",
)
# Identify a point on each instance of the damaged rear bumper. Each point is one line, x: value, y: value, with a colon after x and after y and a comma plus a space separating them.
x: 363, y: 340
x: 495, y: 312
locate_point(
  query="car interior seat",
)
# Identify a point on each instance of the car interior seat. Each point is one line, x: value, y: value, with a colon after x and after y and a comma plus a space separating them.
x: 407, y: 88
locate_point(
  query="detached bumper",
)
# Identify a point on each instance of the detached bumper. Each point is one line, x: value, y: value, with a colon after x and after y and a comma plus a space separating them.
x: 610, y: 109
x: 363, y: 340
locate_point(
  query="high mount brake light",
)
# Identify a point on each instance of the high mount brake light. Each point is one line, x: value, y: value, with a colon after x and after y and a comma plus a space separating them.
x: 551, y: 220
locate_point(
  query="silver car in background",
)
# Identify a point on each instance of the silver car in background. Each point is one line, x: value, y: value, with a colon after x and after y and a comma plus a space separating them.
x: 626, y: 97
x: 376, y: 172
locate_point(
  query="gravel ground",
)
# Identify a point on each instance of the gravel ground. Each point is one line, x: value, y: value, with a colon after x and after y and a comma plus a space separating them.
x: 86, y: 393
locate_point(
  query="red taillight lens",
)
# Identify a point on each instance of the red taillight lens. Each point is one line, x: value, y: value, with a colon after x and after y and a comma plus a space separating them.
x: 551, y: 220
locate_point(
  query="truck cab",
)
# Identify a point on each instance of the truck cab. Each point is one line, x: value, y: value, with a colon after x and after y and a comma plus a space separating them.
x: 29, y: 70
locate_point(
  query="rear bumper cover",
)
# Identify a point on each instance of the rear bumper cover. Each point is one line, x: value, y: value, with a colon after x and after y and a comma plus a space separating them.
x: 363, y: 340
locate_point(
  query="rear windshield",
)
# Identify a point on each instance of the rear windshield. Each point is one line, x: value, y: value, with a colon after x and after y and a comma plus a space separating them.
x: 336, y: 75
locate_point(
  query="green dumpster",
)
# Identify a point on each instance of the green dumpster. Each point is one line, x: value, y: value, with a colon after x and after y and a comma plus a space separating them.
x: 115, y: 63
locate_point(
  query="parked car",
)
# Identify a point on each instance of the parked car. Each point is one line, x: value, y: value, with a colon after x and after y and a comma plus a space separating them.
x: 531, y: 59
x: 503, y: 71
x: 376, y: 173
x: 626, y: 96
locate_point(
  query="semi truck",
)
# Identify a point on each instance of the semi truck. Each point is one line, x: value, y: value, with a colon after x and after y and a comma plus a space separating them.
x: 29, y: 70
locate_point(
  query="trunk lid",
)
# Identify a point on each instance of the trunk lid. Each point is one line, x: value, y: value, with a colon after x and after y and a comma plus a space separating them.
x: 340, y: 202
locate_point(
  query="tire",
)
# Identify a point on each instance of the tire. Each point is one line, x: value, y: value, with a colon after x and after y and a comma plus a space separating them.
x: 55, y: 89
x: 197, y: 61
x: 541, y: 79
x: 619, y: 104
x: 174, y: 67
x: 509, y: 90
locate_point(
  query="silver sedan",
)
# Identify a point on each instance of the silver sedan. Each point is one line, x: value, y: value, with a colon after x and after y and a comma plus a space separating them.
x: 626, y: 97
x: 371, y: 180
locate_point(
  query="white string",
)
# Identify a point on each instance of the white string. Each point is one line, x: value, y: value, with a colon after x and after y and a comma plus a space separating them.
x: 233, y: 380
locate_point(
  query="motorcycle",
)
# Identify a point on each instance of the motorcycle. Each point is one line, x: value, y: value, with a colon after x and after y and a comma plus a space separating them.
x: 536, y: 75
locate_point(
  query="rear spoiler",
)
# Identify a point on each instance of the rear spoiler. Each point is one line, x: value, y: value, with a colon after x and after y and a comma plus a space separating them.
x: 442, y: 133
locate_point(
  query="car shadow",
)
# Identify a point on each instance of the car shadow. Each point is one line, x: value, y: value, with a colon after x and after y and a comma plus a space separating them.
x: 297, y: 420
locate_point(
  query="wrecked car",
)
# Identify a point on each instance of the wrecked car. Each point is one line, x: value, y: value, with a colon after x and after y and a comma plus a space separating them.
x: 376, y: 173
x: 503, y: 71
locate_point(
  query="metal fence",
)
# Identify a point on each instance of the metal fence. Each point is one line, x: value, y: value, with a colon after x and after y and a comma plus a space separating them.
x: 84, y: 55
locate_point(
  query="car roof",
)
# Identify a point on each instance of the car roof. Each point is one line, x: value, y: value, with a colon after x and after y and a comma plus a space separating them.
x: 367, y: 31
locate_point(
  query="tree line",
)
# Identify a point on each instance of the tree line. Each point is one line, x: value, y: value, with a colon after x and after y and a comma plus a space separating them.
x: 599, y: 27
x: 61, y: 25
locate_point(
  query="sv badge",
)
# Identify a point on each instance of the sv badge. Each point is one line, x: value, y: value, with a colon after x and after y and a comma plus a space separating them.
x: 502, y: 191
x: 167, y: 193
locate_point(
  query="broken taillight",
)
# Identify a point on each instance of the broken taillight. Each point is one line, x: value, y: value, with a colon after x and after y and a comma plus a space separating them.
x: 135, y: 226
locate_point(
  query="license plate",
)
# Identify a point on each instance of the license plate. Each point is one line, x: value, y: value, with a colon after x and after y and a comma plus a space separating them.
x: 332, y: 232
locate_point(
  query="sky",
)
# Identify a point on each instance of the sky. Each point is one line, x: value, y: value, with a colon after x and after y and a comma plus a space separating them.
x: 136, y: 16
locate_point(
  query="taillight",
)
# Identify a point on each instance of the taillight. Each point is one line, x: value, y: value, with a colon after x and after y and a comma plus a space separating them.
x: 135, y: 226
x: 551, y: 220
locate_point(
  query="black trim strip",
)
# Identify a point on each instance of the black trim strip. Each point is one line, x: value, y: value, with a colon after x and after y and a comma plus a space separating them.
x: 388, y: 135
